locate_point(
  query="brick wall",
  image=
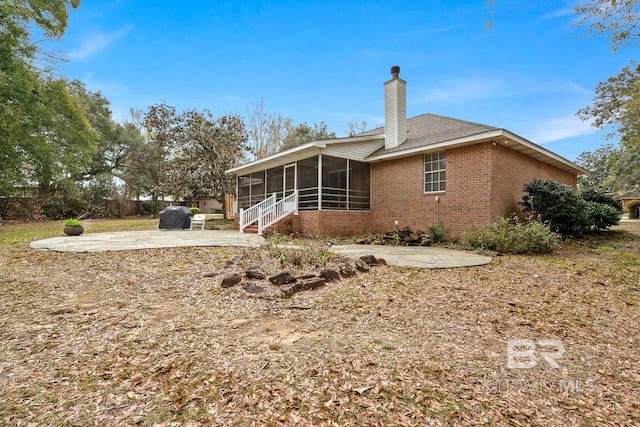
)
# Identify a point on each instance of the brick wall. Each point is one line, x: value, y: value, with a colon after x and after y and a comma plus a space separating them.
x: 398, y: 192
x: 333, y: 223
x: 511, y: 171
x: 484, y: 182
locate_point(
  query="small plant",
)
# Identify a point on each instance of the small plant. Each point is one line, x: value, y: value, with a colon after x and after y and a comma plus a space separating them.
x: 511, y: 235
x: 194, y: 211
x: 286, y: 250
x: 73, y: 227
x: 437, y: 233
x: 396, y: 238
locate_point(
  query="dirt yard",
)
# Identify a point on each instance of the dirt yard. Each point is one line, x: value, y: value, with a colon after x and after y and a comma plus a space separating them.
x: 145, y: 338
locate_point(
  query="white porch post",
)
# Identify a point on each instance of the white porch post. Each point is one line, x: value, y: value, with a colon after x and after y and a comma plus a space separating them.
x: 241, y: 220
x: 319, y: 182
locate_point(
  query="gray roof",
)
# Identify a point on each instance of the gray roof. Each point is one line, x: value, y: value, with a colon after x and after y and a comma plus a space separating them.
x: 429, y: 129
x: 424, y: 133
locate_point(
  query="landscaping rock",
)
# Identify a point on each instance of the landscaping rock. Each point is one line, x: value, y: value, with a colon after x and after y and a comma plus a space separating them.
x: 362, y: 266
x: 369, y: 259
x: 404, y: 237
x: 382, y: 261
x: 305, y: 285
x: 254, y: 273
x: 425, y: 240
x: 288, y: 291
x: 236, y: 259
x: 282, y: 278
x: 313, y: 283
x: 252, y: 288
x: 306, y: 276
x: 329, y: 274
x: 231, y: 280
x: 346, y: 270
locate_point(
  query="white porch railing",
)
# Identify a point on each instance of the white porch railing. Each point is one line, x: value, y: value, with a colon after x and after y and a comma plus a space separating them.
x: 269, y: 211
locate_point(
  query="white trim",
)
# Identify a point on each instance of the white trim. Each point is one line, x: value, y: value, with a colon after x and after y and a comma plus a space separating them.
x: 319, y: 183
x: 297, y: 153
x: 436, y: 147
x: 482, y: 137
x: 433, y: 172
x: 542, y: 150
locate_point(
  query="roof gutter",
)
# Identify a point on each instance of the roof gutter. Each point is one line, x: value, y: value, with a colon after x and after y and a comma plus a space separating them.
x: 477, y: 138
x: 471, y: 139
x: 319, y: 144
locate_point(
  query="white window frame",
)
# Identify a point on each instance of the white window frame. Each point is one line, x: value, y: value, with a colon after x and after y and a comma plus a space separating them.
x: 434, y: 173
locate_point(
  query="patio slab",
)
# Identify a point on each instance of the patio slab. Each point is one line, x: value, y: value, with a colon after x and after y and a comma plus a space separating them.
x: 150, y: 239
x: 402, y: 256
x: 416, y: 256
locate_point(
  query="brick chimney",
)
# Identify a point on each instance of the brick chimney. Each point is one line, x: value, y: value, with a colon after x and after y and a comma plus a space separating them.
x: 395, y: 110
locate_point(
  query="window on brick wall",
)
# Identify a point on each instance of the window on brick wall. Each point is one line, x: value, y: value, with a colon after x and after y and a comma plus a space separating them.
x: 435, y: 173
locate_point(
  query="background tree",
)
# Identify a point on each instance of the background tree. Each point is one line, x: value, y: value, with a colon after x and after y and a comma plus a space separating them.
x: 617, y: 100
x: 354, y: 128
x: 266, y: 130
x: 600, y: 163
x: 615, y: 19
x: 304, y: 133
x: 149, y: 166
x: 208, y: 147
x: 40, y: 127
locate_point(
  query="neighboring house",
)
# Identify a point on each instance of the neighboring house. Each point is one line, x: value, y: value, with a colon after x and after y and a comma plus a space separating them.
x: 418, y: 172
x: 627, y: 197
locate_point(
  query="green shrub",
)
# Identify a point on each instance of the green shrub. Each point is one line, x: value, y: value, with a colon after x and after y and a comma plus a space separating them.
x: 602, y: 216
x: 437, y: 233
x: 634, y: 209
x: 605, y: 199
x: 510, y: 235
x: 557, y: 205
x: 194, y: 211
x: 567, y: 213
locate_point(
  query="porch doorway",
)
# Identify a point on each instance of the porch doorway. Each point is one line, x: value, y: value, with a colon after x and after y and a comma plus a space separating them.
x: 289, y: 179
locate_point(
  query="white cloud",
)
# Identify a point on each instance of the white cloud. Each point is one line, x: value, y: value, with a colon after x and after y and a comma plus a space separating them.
x: 557, y: 129
x: 560, y: 13
x: 465, y: 90
x: 95, y: 43
x: 434, y: 30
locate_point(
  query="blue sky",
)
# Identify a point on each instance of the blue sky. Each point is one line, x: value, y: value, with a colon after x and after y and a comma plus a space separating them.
x: 327, y: 61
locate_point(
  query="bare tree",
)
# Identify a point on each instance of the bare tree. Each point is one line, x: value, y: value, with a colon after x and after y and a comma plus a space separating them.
x: 267, y: 130
x: 354, y: 128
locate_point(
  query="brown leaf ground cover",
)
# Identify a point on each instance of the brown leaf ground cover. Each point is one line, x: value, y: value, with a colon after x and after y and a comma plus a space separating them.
x: 143, y: 338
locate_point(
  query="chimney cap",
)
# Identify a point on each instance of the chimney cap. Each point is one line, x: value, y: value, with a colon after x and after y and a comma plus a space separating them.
x: 395, y: 71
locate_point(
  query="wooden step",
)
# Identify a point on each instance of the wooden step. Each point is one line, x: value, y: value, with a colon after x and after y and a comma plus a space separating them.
x: 252, y: 229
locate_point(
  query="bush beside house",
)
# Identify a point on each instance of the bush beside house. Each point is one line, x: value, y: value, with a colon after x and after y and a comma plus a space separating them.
x: 511, y: 235
x: 634, y: 209
x: 566, y: 212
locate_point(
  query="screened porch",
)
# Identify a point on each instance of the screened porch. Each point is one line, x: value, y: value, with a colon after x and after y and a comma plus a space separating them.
x: 323, y: 183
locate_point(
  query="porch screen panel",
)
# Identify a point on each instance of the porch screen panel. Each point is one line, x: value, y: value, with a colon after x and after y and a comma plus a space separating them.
x: 257, y: 187
x: 275, y: 181
x: 308, y: 183
x: 244, y: 191
x: 334, y: 183
x: 359, y: 186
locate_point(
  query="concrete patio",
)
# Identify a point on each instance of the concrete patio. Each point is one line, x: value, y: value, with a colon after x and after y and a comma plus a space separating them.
x: 418, y: 257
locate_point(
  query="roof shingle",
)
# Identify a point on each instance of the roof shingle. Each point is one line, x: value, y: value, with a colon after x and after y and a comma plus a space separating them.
x: 428, y: 129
